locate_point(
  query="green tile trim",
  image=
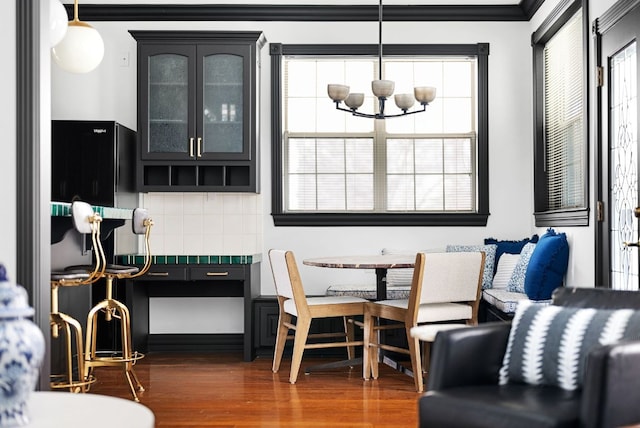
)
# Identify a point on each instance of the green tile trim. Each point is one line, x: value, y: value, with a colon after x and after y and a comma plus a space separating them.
x: 63, y: 209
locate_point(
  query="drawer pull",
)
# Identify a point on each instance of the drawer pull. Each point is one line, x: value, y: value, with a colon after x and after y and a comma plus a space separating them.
x: 217, y: 273
x: 158, y: 274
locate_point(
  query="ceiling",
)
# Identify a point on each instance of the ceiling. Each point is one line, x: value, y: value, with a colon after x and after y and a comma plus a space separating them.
x: 304, y: 2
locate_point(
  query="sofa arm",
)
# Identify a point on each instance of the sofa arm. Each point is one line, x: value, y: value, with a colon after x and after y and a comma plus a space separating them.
x: 468, y: 356
x: 610, y: 391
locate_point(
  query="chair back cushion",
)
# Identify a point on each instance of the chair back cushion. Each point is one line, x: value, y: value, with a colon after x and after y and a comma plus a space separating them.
x: 548, y: 344
x: 280, y: 271
x: 452, y: 277
x: 489, y: 260
x: 81, y: 213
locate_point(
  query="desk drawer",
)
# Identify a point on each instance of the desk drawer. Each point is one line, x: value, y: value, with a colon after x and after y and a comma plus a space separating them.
x: 217, y: 272
x: 165, y: 273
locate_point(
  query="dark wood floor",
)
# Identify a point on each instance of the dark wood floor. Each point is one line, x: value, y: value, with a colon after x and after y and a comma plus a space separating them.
x: 219, y: 390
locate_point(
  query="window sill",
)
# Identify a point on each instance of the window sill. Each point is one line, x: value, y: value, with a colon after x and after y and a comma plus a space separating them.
x: 399, y: 219
x: 570, y: 217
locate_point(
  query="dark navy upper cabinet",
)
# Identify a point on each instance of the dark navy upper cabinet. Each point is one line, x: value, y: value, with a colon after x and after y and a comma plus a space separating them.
x: 198, y: 110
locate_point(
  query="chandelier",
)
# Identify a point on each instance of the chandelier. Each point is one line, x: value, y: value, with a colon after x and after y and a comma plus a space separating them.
x: 382, y: 89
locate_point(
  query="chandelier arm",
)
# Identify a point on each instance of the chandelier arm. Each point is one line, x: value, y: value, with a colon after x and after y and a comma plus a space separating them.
x: 356, y: 113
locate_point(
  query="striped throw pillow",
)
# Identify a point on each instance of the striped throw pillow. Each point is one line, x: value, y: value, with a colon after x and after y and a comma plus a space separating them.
x: 548, y: 345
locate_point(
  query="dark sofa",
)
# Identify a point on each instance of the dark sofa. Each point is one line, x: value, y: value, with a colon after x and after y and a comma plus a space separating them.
x: 463, y: 389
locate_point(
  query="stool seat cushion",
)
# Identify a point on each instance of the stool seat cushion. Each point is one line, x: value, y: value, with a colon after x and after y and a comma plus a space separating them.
x: 121, y: 269
x: 69, y: 276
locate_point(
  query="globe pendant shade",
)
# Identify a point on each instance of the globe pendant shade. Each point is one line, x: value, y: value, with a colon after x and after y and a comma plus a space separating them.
x: 81, y: 49
x: 57, y: 22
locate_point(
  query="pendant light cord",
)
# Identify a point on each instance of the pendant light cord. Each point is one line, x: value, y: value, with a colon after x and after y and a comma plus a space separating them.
x: 380, y: 40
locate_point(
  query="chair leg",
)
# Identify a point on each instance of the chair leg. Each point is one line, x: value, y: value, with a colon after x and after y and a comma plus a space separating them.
x: 349, y: 330
x: 302, y: 332
x: 367, y: 350
x: 416, y: 364
x: 374, y: 349
x: 281, y: 340
x: 426, y: 356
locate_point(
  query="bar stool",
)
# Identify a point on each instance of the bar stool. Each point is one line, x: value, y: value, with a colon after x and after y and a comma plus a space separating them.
x: 85, y: 222
x: 112, y: 308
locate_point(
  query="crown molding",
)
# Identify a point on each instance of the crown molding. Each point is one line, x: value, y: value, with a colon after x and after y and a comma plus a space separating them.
x: 243, y: 12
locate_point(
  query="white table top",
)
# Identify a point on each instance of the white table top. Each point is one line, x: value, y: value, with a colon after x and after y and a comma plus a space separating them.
x: 49, y: 409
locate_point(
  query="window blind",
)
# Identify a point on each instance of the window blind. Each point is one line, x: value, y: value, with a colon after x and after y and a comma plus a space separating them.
x: 563, y: 113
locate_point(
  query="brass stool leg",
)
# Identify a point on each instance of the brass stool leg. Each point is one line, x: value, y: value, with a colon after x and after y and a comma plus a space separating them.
x: 113, y: 308
x: 66, y: 323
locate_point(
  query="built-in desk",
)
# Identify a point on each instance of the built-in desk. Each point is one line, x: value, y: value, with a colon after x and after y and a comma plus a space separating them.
x: 193, y: 276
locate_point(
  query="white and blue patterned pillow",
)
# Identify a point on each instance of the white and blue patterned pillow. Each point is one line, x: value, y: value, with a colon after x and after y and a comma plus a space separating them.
x: 548, y: 345
x: 516, y: 283
x: 489, y: 259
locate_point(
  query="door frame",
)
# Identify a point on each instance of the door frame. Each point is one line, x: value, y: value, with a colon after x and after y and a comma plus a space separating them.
x: 600, y: 27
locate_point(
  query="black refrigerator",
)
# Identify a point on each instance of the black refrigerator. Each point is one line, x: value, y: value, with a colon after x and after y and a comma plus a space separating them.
x: 93, y: 161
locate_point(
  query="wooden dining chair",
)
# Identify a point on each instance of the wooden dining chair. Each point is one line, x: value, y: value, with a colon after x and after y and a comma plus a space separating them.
x: 293, y: 302
x: 445, y: 287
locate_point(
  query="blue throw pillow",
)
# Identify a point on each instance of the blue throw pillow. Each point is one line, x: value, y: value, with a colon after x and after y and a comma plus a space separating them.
x: 548, y: 344
x: 509, y: 247
x: 547, y: 266
x: 516, y: 282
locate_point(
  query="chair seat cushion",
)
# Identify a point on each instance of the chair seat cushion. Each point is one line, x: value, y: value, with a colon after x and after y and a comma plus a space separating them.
x: 434, y: 312
x: 290, y: 306
x: 508, y: 406
x: 428, y: 332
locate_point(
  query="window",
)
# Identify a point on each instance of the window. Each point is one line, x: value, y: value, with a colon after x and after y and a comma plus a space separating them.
x: 331, y: 168
x: 560, y: 164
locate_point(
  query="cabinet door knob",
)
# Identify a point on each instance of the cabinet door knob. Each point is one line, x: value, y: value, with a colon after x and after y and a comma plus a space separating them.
x: 199, y: 147
x: 191, y: 147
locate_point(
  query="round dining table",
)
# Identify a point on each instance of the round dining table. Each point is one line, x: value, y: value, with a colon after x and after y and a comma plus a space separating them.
x: 380, y: 262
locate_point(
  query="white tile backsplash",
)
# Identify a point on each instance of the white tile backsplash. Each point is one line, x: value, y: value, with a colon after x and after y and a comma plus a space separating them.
x: 205, y: 223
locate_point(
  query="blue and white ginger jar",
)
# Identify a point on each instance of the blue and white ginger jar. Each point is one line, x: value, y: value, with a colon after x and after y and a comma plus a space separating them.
x: 21, y: 353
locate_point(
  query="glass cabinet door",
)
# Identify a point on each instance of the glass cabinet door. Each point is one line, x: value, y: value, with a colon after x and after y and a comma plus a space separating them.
x: 224, y: 121
x: 169, y: 131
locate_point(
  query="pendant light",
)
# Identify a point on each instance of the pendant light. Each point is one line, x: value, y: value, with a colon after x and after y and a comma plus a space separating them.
x: 81, y: 49
x: 57, y: 22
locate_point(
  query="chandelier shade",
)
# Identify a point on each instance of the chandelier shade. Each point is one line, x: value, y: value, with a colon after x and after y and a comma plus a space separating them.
x: 82, y: 48
x: 382, y: 90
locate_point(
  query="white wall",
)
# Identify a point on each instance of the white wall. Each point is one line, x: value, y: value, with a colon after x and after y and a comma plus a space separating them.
x: 8, y: 125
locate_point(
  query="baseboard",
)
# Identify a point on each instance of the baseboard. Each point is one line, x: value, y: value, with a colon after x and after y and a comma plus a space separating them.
x: 195, y: 343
